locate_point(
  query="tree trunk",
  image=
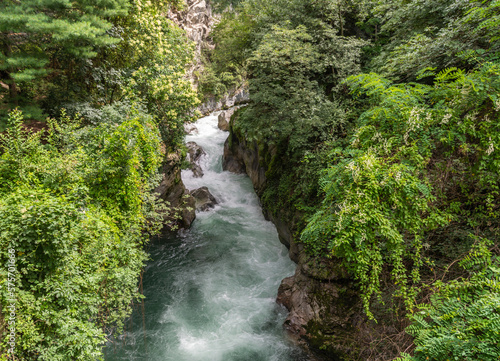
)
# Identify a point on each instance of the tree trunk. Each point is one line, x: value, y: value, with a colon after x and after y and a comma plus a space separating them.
x: 13, y: 91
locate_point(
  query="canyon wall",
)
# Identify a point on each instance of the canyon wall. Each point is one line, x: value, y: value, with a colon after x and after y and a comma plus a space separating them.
x: 325, y: 310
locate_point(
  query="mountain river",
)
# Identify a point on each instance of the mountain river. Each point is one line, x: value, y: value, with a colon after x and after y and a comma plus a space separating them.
x: 210, y: 291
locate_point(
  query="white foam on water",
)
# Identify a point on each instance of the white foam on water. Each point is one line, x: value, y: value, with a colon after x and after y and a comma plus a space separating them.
x: 211, y: 292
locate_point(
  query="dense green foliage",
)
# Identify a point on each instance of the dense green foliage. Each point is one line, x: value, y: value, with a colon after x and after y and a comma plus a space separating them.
x: 385, y: 192
x: 157, y: 53
x: 34, y: 31
x: 76, y: 201
x: 74, y: 210
x: 132, y: 53
x: 378, y: 123
x: 435, y: 34
x: 462, y: 320
x: 225, y: 68
x: 293, y: 57
x: 74, y: 26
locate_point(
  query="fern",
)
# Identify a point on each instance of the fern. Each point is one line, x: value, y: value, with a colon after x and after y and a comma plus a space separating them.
x: 462, y: 322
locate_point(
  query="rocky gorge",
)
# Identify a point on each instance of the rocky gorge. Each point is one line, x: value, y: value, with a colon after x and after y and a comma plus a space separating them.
x: 301, y: 142
x: 325, y: 311
x: 196, y: 19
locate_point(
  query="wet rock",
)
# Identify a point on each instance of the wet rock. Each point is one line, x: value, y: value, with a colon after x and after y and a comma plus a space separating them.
x: 241, y: 156
x: 223, y: 123
x: 231, y: 161
x: 225, y: 118
x: 204, y: 200
x: 233, y: 98
x: 285, y: 233
x: 195, y: 152
x: 285, y: 292
x: 190, y: 129
x: 325, y: 316
x: 173, y: 191
x: 197, y: 171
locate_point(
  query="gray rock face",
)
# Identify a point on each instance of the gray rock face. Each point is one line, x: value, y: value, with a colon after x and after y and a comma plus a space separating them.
x: 323, y: 313
x: 241, y: 156
x: 197, y: 20
x: 223, y: 122
x: 195, y: 152
x: 197, y: 171
x: 224, y: 118
x: 204, y: 200
x: 173, y: 191
x: 233, y: 98
x: 190, y: 129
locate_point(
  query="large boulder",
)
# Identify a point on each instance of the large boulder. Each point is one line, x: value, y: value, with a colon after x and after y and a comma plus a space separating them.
x: 190, y: 129
x: 197, y: 19
x: 225, y: 118
x: 173, y: 191
x: 195, y: 152
x: 326, y: 314
x: 204, y: 200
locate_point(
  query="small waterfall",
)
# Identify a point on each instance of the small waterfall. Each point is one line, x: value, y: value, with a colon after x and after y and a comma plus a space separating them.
x: 210, y: 291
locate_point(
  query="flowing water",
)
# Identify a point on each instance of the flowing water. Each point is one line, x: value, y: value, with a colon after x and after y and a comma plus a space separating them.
x: 210, y: 291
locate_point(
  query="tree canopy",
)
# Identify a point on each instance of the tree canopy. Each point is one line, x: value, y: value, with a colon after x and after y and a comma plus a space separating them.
x: 378, y: 123
x: 76, y: 188
x: 31, y: 30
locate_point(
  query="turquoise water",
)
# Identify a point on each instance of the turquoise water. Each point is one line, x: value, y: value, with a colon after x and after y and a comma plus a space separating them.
x: 210, y: 291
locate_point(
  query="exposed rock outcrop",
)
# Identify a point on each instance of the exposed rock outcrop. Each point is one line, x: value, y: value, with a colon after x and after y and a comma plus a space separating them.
x: 224, y: 118
x: 195, y: 152
x: 173, y: 191
x: 190, y: 129
x: 204, y: 199
x: 325, y: 309
x: 235, y: 97
x: 197, y: 20
x: 325, y: 312
x: 241, y: 156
